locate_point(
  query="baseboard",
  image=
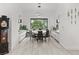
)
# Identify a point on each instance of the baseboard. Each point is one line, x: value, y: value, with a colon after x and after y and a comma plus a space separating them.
x: 58, y: 42
x: 55, y: 39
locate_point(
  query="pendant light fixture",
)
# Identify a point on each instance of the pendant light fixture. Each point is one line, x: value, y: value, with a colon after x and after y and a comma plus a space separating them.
x: 39, y: 5
x: 38, y: 12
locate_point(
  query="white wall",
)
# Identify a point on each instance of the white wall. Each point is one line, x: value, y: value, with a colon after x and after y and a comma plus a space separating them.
x: 69, y: 33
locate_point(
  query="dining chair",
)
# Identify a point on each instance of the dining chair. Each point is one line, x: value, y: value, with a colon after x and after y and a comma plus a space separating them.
x: 47, y: 34
x: 40, y: 36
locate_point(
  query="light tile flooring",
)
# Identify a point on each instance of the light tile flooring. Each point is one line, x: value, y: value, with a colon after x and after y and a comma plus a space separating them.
x: 32, y: 47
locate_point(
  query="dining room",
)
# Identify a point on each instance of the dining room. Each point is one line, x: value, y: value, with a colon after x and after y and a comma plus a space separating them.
x: 39, y: 28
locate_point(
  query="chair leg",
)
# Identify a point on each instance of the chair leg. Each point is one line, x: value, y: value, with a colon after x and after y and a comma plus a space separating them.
x: 45, y: 39
x: 37, y: 40
x: 42, y: 38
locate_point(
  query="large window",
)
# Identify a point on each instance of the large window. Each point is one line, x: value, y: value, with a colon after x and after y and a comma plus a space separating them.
x: 39, y: 23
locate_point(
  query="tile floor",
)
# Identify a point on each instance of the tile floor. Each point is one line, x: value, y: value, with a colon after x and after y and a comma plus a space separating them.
x: 32, y: 47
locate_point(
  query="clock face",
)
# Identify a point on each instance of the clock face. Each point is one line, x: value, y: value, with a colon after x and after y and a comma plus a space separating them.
x: 3, y: 24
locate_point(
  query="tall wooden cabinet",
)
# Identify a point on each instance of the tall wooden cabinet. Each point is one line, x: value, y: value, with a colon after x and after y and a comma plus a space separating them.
x: 4, y: 25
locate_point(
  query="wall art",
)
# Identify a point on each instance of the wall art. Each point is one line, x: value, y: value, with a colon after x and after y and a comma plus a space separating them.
x: 73, y: 14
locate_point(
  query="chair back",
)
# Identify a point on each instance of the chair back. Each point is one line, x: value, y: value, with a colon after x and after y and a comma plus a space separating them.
x: 40, y: 33
x: 47, y: 33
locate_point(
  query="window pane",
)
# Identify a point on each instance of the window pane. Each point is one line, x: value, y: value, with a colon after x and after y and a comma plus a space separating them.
x: 37, y: 23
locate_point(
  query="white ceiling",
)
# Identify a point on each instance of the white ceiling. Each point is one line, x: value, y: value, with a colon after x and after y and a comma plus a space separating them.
x: 47, y: 9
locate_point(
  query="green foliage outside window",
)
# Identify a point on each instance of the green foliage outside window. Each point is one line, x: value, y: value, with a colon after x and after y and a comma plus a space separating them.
x: 39, y: 24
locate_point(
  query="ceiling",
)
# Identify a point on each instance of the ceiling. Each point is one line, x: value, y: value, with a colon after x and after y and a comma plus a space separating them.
x: 46, y: 9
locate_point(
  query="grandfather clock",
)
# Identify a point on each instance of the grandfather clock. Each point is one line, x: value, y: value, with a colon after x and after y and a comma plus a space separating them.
x: 4, y: 25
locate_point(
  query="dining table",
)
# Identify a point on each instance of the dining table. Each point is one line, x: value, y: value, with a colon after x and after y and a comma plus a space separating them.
x: 35, y: 32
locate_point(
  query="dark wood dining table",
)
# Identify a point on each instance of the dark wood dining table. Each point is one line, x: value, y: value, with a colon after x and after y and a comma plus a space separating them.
x: 35, y: 33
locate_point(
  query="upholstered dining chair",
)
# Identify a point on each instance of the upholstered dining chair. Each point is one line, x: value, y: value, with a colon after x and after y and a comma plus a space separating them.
x: 40, y: 36
x: 47, y: 34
